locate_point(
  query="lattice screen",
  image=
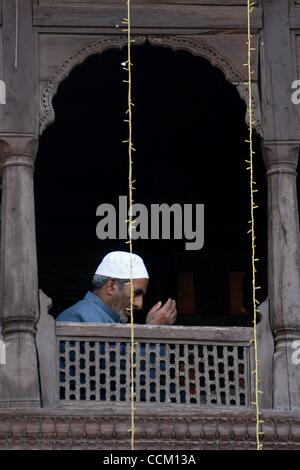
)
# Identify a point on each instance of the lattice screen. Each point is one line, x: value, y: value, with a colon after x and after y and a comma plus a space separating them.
x: 165, y: 372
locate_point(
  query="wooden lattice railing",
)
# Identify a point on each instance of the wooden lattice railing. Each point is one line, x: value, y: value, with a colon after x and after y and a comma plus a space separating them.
x: 89, y: 364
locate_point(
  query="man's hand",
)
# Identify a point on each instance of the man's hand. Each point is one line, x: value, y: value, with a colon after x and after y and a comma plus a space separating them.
x: 162, y: 314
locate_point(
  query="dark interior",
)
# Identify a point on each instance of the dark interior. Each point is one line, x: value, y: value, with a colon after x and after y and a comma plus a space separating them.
x: 189, y: 132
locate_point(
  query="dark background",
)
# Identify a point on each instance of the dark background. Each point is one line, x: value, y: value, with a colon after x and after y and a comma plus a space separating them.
x: 189, y: 132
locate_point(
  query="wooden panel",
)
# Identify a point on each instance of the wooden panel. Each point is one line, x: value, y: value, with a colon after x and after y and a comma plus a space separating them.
x: 54, y: 49
x: 277, y: 72
x: 20, y: 113
x: 179, y: 2
x: 146, y: 16
x: 47, y: 352
x: 156, y: 332
x: 265, y: 343
x: 295, y: 17
x: 298, y: 55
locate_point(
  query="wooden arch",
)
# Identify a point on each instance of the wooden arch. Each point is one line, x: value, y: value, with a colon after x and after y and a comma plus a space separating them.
x: 194, y: 45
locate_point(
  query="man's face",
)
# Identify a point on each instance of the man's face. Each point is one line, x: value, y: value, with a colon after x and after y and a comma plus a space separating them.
x: 122, y: 296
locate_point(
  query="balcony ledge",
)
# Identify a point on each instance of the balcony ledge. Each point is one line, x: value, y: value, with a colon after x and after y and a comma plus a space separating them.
x: 182, y: 428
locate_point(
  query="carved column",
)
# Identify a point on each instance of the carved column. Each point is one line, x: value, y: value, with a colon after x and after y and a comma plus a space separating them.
x: 19, y: 382
x: 284, y: 268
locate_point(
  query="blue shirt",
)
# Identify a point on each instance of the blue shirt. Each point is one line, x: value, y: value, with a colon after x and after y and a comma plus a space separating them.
x: 90, y: 309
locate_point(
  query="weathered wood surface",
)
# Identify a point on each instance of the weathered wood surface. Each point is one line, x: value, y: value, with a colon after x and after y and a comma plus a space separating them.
x: 107, y: 410
x: 181, y: 2
x: 284, y: 264
x: 280, y: 115
x: 281, y: 149
x: 18, y: 69
x: 60, y: 53
x: 155, y: 332
x: 228, y: 52
x: 65, y: 51
x: 295, y: 17
x: 265, y: 346
x: 146, y: 16
x: 47, y: 353
x: 195, y: 429
x: 19, y: 384
x: 297, y: 74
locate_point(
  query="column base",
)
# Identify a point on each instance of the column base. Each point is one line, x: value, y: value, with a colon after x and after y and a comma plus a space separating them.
x: 19, y: 376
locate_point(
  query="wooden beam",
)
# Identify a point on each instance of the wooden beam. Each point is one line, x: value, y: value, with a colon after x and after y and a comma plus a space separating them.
x: 280, y: 120
x: 137, y: 2
x: 145, y: 16
x: 230, y: 334
x: 295, y: 18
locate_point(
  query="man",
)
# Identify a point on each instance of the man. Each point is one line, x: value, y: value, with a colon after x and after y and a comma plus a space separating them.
x: 109, y: 301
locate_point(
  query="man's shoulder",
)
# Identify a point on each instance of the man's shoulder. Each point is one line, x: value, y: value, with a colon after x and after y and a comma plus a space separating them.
x: 85, y: 311
x: 75, y: 313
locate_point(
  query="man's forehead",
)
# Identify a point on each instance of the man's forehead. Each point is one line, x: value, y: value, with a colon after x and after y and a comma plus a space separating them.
x: 140, y: 283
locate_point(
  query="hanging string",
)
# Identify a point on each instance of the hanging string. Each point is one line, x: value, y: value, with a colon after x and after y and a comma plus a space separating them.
x: 128, y: 67
x: 16, y: 31
x: 255, y: 372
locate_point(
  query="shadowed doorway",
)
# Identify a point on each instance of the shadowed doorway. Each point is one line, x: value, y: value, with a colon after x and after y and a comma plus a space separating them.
x: 189, y: 132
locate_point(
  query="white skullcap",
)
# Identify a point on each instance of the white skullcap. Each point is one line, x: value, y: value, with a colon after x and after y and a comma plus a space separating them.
x: 117, y: 264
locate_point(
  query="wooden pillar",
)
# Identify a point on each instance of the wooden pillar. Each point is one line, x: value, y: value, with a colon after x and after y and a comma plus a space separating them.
x: 284, y: 268
x: 281, y: 132
x: 19, y: 382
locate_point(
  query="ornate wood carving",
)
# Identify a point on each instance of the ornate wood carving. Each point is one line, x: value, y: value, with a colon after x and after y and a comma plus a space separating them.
x: 194, y: 45
x: 243, y: 90
x: 103, y: 43
x: 196, y: 429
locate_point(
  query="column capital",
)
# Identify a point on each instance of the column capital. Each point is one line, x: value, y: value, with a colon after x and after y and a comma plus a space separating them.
x: 18, y: 149
x: 17, y: 325
x: 281, y: 156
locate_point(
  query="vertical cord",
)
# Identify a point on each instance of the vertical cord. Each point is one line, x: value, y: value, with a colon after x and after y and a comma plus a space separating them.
x: 259, y: 446
x: 127, y: 21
